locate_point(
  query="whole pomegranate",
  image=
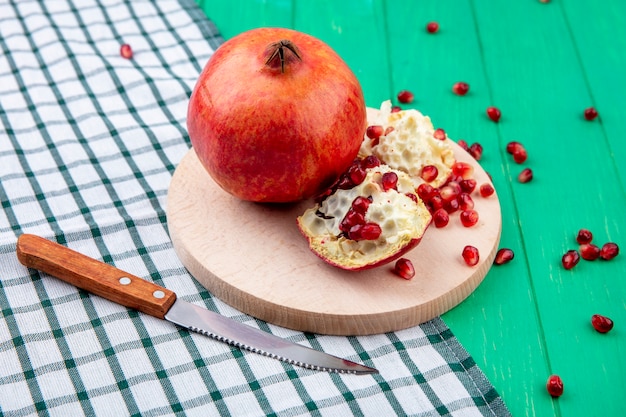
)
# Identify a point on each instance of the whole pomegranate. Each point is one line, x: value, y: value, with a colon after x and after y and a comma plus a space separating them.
x: 276, y: 116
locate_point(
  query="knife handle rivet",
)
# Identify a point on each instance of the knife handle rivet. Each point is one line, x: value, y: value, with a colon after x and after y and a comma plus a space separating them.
x: 158, y: 294
x: 124, y: 281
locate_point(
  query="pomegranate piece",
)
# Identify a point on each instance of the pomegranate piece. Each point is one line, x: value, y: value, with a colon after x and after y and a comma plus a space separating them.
x: 584, y: 236
x: 503, y: 256
x: 609, y: 251
x: 494, y: 113
x: 461, y: 88
x: 601, y: 323
x: 470, y: 255
x: 389, y: 181
x: 589, y: 251
x: 374, y: 132
x: 486, y: 189
x: 525, y: 175
x: 432, y: 27
x: 126, y: 51
x: 441, y: 218
x: 570, y: 259
x: 555, y: 386
x: 469, y: 218
x: 590, y: 113
x: 405, y: 96
x: 404, y: 268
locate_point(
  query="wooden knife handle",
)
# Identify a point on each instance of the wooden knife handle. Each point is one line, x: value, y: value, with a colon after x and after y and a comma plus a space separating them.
x: 94, y: 276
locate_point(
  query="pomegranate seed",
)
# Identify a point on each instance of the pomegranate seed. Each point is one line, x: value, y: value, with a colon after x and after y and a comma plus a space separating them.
x: 435, y: 202
x: 389, y: 130
x: 396, y: 109
x: 432, y: 27
x: 590, y: 113
x: 463, y: 170
x: 370, y: 161
x: 351, y: 219
x: 389, y: 181
x: 494, y: 113
x: 609, y: 251
x: 429, y: 173
x: 520, y: 155
x: 463, y: 144
x: 511, y: 147
x: 486, y: 189
x: 405, y: 96
x: 589, y: 251
x: 451, y: 206
x: 440, y: 134
x: 357, y: 174
x: 469, y: 218
x: 449, y: 193
x: 570, y: 259
x: 476, y: 150
x: 361, y: 204
x: 468, y: 185
x: 404, y: 268
x: 555, y: 386
x: 584, y: 236
x: 503, y: 256
x: 367, y: 231
x: 460, y: 88
x: 601, y: 323
x: 441, y: 218
x: 465, y: 201
x: 126, y: 51
x: 374, y: 132
x: 525, y: 176
x: 470, y: 255
x: 413, y: 197
x: 426, y: 191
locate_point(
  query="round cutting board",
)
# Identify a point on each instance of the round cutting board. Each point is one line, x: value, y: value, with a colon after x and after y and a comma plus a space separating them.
x: 253, y: 257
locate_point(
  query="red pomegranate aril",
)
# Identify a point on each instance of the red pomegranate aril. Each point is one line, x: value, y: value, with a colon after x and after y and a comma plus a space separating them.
x: 468, y: 185
x: 520, y: 155
x: 429, y: 173
x: 470, y: 255
x: 361, y: 204
x: 389, y: 181
x: 405, y: 96
x: 440, y: 134
x: 525, y: 176
x: 435, y: 202
x: 469, y: 218
x: 601, y: 323
x: 513, y: 146
x: 609, y: 251
x: 463, y: 144
x: 503, y: 256
x: 476, y: 150
x: 351, y: 219
x: 466, y: 202
x: 412, y: 197
x: 396, y: 109
x: 441, y: 218
x: 367, y: 231
x: 570, y: 259
x: 590, y: 113
x: 370, y: 161
x: 494, y: 113
x: 357, y: 174
x: 463, y: 170
x: 374, y: 132
x: 584, y: 236
x: 404, y: 268
x: 451, y: 206
x: 126, y: 51
x: 432, y: 27
x: 461, y: 88
x: 426, y: 191
x: 448, y: 193
x: 589, y: 251
x: 486, y: 189
x: 555, y: 386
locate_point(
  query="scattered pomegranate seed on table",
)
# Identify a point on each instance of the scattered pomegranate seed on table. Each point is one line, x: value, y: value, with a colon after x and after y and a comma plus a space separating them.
x: 609, y: 251
x: 461, y: 88
x: 494, y: 113
x: 512, y: 146
x: 589, y: 251
x: 584, y: 236
x: 405, y: 96
x: 601, y: 323
x: 555, y: 386
x: 503, y: 256
x: 126, y: 51
x: 590, y: 113
x: 525, y: 176
x: 432, y: 27
x: 404, y: 268
x: 570, y: 259
x: 470, y: 255
x: 469, y: 218
x: 476, y: 150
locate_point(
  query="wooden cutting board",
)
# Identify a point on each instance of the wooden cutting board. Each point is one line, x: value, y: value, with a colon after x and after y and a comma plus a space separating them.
x: 253, y: 257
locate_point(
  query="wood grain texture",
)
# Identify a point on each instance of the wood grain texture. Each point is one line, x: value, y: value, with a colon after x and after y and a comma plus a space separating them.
x: 253, y: 257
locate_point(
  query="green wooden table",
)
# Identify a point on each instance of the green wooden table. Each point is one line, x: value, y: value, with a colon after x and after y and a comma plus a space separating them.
x: 541, y: 64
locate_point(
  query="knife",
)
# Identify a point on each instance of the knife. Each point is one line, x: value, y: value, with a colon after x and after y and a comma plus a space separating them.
x: 131, y: 291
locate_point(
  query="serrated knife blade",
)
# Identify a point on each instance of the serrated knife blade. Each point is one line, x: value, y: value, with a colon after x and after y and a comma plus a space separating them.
x: 131, y: 291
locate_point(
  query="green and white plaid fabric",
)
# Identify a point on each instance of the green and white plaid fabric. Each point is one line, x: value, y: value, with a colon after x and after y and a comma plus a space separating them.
x: 88, y: 144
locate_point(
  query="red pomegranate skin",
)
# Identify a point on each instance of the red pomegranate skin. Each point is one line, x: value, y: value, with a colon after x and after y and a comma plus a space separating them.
x: 265, y: 135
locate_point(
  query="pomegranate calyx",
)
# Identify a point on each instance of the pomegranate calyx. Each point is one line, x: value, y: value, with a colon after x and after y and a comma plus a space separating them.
x: 281, y: 52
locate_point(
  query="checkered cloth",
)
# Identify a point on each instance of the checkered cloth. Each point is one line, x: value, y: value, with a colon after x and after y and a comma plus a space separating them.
x: 88, y: 144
